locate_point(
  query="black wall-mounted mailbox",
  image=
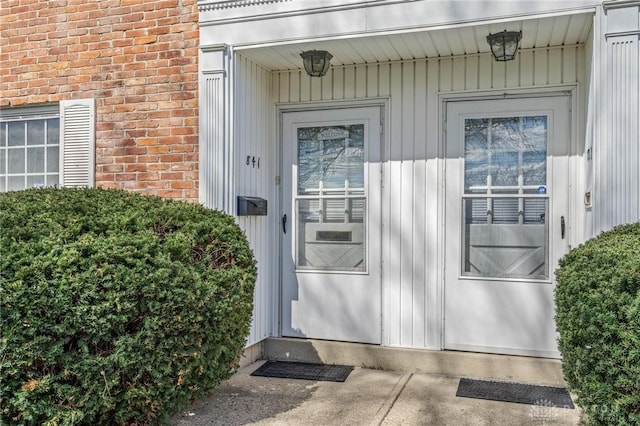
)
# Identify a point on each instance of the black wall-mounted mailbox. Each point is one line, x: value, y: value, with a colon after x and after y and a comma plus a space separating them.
x: 251, y: 206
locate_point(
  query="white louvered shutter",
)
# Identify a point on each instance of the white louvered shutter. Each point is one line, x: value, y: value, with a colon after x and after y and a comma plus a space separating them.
x: 77, y: 143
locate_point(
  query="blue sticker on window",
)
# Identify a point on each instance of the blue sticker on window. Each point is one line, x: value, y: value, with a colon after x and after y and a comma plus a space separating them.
x: 542, y: 189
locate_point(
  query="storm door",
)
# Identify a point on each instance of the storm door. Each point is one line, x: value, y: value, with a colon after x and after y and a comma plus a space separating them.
x: 330, y: 224
x: 507, y: 191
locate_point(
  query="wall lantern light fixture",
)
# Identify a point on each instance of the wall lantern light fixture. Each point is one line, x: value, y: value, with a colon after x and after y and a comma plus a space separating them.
x: 316, y: 62
x: 504, y: 45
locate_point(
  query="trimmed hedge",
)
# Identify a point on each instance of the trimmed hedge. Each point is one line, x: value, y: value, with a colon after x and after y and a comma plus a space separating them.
x: 598, y: 318
x: 117, y: 308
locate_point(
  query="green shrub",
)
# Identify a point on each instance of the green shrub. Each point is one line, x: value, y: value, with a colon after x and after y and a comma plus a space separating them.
x: 598, y: 318
x: 117, y: 308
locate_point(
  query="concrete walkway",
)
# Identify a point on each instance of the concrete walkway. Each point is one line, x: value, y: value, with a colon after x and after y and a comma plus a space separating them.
x: 368, y: 397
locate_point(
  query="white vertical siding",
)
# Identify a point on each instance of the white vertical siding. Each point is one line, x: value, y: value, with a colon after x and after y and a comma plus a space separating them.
x: 617, y: 150
x: 432, y: 268
x: 254, y: 124
x: 616, y: 140
x: 420, y: 209
x: 579, y: 164
x: 212, y: 140
x: 224, y: 173
x: 589, y: 118
x: 411, y: 167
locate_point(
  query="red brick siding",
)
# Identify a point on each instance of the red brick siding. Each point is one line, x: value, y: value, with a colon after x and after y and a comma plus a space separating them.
x: 137, y: 58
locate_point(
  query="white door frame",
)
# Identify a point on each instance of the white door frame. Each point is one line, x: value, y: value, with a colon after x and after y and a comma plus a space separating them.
x: 281, y: 109
x: 444, y: 98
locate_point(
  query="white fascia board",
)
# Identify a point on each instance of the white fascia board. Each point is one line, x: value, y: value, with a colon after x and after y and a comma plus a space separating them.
x: 372, y: 18
x: 219, y: 11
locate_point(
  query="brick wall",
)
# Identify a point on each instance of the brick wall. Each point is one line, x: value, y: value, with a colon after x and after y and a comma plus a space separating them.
x: 137, y: 59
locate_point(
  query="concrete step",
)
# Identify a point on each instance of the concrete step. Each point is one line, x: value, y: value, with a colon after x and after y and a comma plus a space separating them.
x: 520, y: 369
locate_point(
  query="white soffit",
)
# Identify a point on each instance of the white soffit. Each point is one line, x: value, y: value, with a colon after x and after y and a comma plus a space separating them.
x: 563, y: 30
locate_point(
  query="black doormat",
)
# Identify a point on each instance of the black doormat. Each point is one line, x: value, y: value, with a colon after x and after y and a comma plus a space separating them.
x: 548, y: 396
x: 304, y: 371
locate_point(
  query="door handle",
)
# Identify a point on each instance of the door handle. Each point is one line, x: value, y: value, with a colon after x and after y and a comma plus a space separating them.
x: 562, y: 227
x: 284, y: 223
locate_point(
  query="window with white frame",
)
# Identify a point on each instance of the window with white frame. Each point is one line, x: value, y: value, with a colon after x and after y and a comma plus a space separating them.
x: 47, y: 145
x: 29, y: 148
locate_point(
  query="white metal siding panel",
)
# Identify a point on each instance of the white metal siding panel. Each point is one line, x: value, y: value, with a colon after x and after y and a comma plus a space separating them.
x: 410, y: 199
x: 407, y: 200
x: 459, y: 69
x: 570, y: 63
x: 471, y: 72
x: 337, y: 80
x: 540, y: 66
x: 484, y: 72
x: 432, y: 269
x: 393, y: 275
x: 578, y: 162
x: 419, y: 267
x: 300, y: 87
x: 617, y: 151
x: 499, y: 72
x: 211, y: 141
x: 590, y: 76
x: 254, y: 124
x: 526, y: 68
x: 283, y: 86
x: 77, y: 140
x: 555, y: 66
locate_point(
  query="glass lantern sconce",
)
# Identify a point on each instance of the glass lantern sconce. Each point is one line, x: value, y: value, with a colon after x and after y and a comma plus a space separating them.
x: 504, y: 45
x: 316, y: 62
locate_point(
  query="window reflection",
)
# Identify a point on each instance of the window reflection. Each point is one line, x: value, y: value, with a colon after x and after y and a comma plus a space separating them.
x: 505, y: 205
x: 331, y: 199
x: 331, y: 155
x: 505, y: 152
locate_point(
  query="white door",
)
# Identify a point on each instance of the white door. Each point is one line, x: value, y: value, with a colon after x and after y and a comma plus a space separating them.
x: 507, y: 192
x: 330, y: 227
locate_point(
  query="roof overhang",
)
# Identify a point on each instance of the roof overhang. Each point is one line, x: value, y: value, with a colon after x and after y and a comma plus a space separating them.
x: 273, y: 33
x: 445, y: 41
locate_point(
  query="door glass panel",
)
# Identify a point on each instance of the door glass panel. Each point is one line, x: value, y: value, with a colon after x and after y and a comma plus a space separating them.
x: 330, y: 201
x: 505, y: 202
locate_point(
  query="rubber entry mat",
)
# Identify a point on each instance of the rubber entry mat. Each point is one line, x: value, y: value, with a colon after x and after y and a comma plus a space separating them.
x: 304, y: 371
x: 548, y: 396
